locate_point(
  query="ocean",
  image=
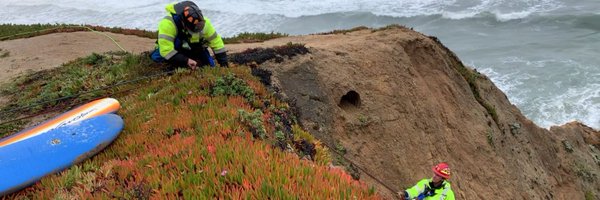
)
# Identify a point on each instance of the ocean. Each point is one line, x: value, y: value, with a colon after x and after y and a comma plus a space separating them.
x: 544, y: 54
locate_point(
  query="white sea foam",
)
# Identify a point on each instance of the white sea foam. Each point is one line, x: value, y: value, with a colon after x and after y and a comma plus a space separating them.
x: 454, y: 9
x: 537, y: 85
x: 553, y: 98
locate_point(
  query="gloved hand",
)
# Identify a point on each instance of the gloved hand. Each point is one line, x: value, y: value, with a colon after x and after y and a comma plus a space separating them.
x: 222, y: 59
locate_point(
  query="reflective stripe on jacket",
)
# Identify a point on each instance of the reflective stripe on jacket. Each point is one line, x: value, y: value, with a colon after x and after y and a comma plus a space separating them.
x: 168, y: 31
x: 422, y: 190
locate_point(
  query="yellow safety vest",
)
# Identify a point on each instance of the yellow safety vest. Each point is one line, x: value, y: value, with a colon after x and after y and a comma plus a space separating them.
x: 422, y: 190
x: 167, y: 32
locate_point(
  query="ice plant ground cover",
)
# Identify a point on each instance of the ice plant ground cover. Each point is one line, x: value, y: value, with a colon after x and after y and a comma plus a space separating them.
x: 211, y: 133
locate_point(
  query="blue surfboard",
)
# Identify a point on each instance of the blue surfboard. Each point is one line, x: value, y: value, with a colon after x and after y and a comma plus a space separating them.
x: 23, y: 163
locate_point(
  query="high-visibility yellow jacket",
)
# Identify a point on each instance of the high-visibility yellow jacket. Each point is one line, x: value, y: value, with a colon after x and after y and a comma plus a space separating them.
x: 168, y: 31
x: 422, y: 190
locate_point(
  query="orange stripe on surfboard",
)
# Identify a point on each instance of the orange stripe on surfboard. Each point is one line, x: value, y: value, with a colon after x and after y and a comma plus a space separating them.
x: 86, y: 111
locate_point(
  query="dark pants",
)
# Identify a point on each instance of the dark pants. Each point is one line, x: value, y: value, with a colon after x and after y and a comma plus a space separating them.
x: 197, y: 52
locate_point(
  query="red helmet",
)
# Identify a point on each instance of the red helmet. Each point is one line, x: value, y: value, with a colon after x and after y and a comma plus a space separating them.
x: 442, y: 169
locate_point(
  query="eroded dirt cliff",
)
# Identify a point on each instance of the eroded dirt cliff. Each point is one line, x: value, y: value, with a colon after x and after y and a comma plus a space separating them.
x: 398, y: 102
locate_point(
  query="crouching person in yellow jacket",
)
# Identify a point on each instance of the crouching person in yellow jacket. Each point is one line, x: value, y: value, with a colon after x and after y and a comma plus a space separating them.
x: 435, y: 188
x: 184, y: 35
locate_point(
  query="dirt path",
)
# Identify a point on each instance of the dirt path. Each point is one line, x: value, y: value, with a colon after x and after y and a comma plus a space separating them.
x: 52, y: 50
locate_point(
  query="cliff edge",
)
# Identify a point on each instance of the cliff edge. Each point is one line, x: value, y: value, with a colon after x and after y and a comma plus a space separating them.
x: 397, y: 102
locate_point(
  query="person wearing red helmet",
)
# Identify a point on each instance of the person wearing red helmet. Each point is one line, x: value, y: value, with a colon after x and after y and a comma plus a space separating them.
x: 184, y: 36
x: 436, y: 187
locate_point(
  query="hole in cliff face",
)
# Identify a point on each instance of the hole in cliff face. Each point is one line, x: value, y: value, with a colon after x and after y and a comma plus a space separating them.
x: 350, y: 100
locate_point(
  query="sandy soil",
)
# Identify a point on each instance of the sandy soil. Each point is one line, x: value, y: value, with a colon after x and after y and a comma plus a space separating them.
x: 415, y: 110
x: 52, y: 50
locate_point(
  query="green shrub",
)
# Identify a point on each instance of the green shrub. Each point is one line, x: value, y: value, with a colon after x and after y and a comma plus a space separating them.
x: 93, y: 59
x: 8, y: 30
x: 567, y: 145
x: 16, y: 31
x: 246, y: 37
x: 344, y: 31
x: 232, y: 86
x: 471, y: 77
x: 490, y: 137
x: 254, y: 122
x: 363, y: 120
x: 584, y: 173
x: 340, y: 148
x: 589, y: 195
